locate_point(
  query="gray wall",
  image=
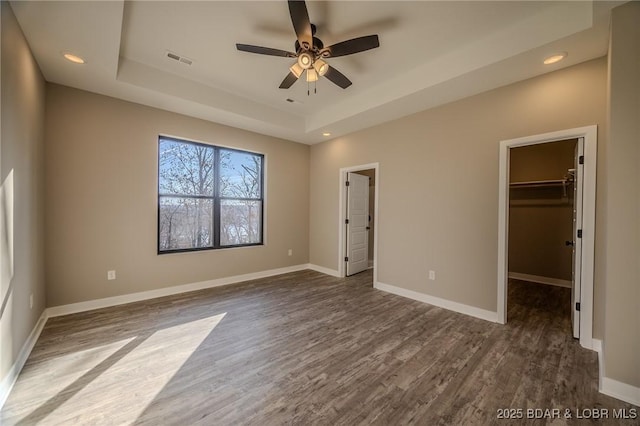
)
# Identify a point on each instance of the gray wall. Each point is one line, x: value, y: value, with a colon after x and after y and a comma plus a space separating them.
x: 101, y: 183
x: 21, y: 175
x: 622, y: 323
x: 443, y: 216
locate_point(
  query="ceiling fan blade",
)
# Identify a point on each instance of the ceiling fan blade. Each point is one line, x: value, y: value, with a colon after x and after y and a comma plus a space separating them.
x: 288, y: 81
x: 355, y: 45
x: 264, y: 50
x: 337, y: 78
x: 301, y: 22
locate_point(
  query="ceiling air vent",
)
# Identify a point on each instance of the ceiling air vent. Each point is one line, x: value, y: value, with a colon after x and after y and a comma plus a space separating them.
x: 175, y: 57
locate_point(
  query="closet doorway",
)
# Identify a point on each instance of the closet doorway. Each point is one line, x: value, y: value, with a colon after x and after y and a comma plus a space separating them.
x: 547, y: 219
x: 545, y: 214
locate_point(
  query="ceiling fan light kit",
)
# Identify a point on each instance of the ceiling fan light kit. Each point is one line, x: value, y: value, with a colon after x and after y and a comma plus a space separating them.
x: 321, y: 67
x: 310, y: 51
x: 296, y: 69
x: 305, y: 60
x: 312, y: 75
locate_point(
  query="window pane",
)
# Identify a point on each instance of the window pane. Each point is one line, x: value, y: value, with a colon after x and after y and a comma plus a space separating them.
x: 240, y: 222
x: 185, y: 223
x: 198, y: 183
x: 240, y: 174
x: 185, y: 168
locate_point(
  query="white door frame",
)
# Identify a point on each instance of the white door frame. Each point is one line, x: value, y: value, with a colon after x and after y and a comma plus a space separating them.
x: 342, y: 215
x: 590, y: 135
x: 358, y: 224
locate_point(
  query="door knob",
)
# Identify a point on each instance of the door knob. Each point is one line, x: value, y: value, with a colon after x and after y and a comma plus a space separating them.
x: 569, y: 243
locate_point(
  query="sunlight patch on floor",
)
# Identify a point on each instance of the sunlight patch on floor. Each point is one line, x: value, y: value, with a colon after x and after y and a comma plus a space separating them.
x: 118, y: 381
x: 69, y: 368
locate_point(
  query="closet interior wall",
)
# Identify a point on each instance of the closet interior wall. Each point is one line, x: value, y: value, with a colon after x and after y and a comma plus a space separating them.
x: 541, y: 210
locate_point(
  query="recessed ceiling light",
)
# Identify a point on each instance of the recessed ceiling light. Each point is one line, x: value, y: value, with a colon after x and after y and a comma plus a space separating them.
x: 73, y: 58
x: 326, y: 134
x: 556, y: 57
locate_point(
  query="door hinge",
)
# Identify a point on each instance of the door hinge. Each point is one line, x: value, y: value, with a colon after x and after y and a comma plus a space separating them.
x: 346, y: 259
x: 346, y: 183
x: 577, y: 306
x: 579, y: 233
x: 346, y: 221
x: 581, y: 159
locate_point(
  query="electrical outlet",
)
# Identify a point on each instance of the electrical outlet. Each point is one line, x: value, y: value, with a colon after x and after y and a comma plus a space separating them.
x: 290, y: 252
x: 31, y: 301
x: 111, y: 275
x: 432, y: 275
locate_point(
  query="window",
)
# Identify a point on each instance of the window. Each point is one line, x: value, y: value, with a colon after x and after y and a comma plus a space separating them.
x: 208, y: 197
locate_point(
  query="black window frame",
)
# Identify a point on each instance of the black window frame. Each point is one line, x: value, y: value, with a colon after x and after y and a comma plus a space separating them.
x: 216, y: 198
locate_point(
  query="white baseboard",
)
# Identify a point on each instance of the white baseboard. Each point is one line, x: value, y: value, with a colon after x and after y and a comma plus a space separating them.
x: 442, y: 303
x: 324, y: 270
x: 10, y: 379
x: 611, y: 387
x: 621, y: 391
x: 167, y: 291
x: 540, y: 280
x: 597, y: 345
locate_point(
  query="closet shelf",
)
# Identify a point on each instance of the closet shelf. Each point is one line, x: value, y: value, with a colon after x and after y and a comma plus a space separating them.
x: 540, y: 202
x: 540, y: 183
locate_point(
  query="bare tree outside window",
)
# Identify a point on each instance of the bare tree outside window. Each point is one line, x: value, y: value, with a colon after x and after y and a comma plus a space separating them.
x: 240, y: 189
x: 208, y: 197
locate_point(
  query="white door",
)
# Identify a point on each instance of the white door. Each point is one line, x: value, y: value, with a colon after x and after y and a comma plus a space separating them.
x: 577, y: 238
x: 357, y: 223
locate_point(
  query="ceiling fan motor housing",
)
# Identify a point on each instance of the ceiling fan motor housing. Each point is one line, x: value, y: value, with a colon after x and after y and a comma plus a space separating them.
x: 318, y: 45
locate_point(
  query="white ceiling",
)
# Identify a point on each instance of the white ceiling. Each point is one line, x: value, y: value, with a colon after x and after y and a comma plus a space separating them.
x: 430, y: 53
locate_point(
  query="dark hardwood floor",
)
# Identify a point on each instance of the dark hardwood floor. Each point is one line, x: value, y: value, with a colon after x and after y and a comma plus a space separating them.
x: 305, y: 348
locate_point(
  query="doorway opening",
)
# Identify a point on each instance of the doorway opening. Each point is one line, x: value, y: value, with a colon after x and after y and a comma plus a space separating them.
x: 545, y: 211
x: 547, y: 220
x: 358, y: 219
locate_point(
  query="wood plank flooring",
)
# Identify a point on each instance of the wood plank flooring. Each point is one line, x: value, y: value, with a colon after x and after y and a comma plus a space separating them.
x: 305, y: 348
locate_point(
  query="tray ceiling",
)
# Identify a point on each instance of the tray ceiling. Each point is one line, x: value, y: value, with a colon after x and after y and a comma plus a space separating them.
x: 430, y: 53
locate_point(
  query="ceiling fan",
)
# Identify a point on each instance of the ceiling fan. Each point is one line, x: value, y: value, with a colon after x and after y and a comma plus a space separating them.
x: 310, y: 52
